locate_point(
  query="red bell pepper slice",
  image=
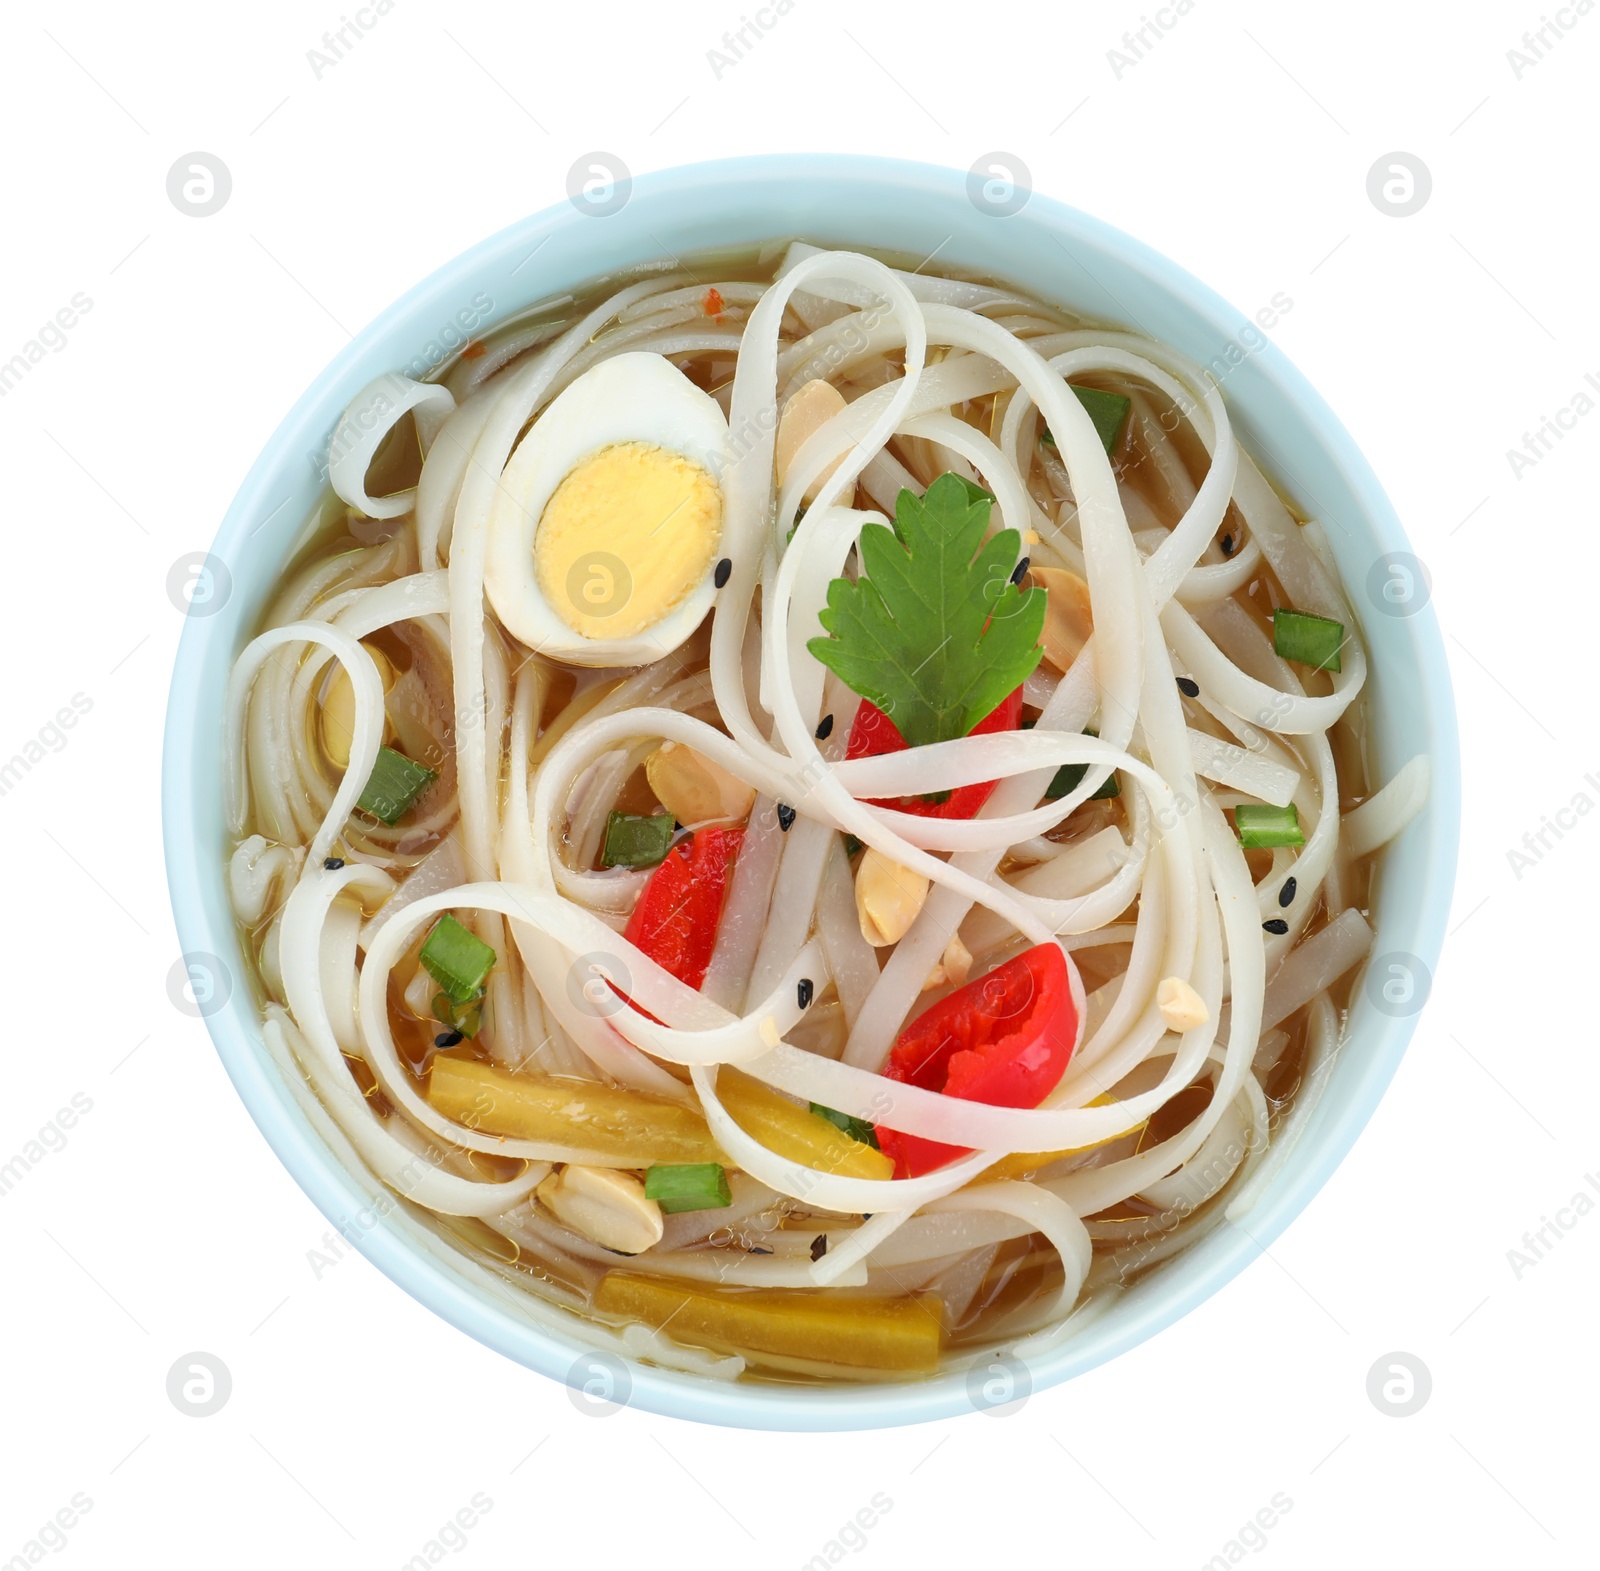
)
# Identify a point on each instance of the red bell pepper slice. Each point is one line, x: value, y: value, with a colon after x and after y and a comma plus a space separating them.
x: 1004, y: 1039
x: 873, y: 732
x: 675, y: 921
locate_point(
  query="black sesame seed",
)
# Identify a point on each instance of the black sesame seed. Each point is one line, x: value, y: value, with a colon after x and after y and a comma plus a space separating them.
x: 805, y: 992
x: 1227, y: 545
x: 1188, y: 687
x: 825, y: 728
x: 785, y: 817
x: 447, y: 1039
x: 1276, y: 926
x: 333, y: 863
x: 1287, y: 893
x: 724, y: 572
x: 755, y: 1250
x: 1019, y: 570
x: 819, y: 1246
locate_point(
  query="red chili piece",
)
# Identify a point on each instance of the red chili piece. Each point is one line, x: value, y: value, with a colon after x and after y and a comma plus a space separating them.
x: 675, y: 921
x: 1003, y: 1039
x: 873, y: 732
x: 713, y: 303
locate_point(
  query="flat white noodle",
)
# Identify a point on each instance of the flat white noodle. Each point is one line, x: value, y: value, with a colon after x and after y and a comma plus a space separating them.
x: 1160, y: 888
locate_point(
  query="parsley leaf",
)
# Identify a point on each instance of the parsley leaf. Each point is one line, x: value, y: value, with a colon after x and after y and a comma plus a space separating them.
x: 934, y: 632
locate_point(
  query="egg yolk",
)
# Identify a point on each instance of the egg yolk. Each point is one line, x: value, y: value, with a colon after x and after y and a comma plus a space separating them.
x: 625, y: 537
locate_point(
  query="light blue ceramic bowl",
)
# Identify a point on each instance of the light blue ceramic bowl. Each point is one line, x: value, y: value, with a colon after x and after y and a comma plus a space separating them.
x: 1052, y: 251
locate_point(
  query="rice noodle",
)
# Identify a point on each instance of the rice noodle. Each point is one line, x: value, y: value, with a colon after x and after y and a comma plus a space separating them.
x: 938, y: 374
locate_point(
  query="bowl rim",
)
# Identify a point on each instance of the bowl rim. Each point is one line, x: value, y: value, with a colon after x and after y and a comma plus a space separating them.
x: 191, y: 766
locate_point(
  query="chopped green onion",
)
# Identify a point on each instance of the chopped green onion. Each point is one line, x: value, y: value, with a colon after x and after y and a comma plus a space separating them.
x: 856, y: 1128
x: 635, y: 841
x: 1069, y: 777
x: 1262, y: 827
x: 688, y: 1186
x: 457, y: 960
x: 394, y: 786
x: 1312, y: 640
x: 1108, y: 411
x: 464, y: 1019
x: 975, y: 492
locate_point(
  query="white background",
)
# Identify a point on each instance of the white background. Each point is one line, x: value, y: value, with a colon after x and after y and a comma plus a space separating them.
x: 358, y: 1423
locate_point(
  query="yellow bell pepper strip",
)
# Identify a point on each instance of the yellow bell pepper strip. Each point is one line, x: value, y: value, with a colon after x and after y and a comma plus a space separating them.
x: 1021, y: 1163
x: 794, y: 1131
x: 635, y: 1128
x: 892, y: 1334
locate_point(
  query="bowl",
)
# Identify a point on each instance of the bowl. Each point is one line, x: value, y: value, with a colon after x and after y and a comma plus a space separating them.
x: 1050, y: 250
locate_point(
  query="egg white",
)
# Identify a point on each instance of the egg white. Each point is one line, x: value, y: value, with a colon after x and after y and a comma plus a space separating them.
x: 638, y: 397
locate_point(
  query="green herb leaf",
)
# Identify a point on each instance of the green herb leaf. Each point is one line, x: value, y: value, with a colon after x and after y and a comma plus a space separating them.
x: 856, y: 1128
x: 933, y: 632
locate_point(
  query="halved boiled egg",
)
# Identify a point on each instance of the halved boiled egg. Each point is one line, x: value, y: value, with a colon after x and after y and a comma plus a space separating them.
x: 607, y: 527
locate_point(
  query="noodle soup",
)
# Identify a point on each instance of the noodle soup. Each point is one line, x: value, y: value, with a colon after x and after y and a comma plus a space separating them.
x: 816, y: 820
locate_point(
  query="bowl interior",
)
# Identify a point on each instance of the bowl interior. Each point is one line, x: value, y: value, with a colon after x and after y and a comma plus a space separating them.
x: 1047, y: 249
